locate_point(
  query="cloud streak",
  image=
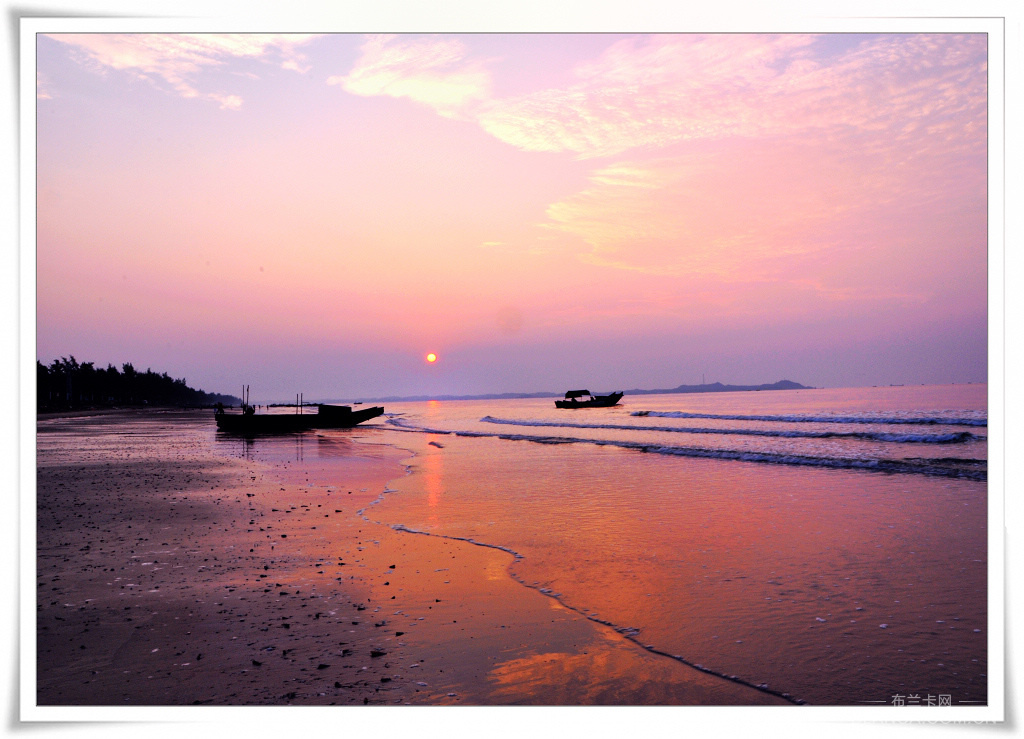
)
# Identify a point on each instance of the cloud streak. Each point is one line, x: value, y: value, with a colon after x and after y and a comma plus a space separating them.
x: 647, y: 93
x: 178, y: 59
x: 429, y: 71
x: 653, y: 92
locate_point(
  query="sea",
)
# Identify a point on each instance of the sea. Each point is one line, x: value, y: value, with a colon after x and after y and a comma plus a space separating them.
x: 828, y: 546
x: 824, y: 546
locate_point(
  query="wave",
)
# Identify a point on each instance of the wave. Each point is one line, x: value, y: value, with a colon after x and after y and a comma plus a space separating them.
x: 879, y: 420
x: 956, y: 437
x: 969, y: 469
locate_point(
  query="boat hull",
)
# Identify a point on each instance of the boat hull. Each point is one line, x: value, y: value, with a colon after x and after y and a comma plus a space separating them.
x: 326, y: 417
x: 343, y: 416
x: 598, y: 401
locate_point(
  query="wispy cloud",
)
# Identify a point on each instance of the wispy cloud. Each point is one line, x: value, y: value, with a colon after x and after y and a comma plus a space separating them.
x: 764, y: 165
x: 650, y: 92
x: 178, y: 60
x: 780, y: 214
x: 42, y: 86
x: 430, y: 71
x: 746, y: 157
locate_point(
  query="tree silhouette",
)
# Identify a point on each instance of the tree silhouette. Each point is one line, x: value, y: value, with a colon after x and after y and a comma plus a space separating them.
x: 65, y: 384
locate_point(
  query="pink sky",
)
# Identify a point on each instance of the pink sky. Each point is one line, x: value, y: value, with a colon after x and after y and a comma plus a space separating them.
x: 315, y: 213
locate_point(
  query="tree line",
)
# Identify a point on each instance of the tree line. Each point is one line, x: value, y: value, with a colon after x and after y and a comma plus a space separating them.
x: 66, y: 385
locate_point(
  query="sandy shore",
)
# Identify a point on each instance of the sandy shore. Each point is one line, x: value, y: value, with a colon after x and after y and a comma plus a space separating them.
x: 169, y: 576
x: 171, y: 573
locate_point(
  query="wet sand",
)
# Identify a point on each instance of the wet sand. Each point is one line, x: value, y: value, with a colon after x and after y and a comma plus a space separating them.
x: 172, y: 574
x: 169, y: 581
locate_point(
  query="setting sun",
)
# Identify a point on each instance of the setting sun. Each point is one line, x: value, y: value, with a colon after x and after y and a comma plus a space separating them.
x: 431, y: 357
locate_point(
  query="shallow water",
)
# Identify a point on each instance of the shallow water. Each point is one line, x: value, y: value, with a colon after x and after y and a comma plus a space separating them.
x: 826, y: 582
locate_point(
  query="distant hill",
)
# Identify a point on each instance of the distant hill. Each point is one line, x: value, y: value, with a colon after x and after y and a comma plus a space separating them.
x: 717, y: 387
x: 714, y: 387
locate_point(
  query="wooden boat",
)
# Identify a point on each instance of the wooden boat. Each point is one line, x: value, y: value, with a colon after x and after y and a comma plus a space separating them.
x: 584, y: 399
x: 249, y: 423
x: 343, y: 416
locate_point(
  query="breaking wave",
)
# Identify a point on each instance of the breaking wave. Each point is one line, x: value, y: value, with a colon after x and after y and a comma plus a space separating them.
x: 877, y: 420
x: 970, y: 469
x: 884, y: 436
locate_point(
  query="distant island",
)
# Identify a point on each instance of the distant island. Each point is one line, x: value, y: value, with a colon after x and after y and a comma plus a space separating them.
x: 717, y: 387
x: 713, y: 387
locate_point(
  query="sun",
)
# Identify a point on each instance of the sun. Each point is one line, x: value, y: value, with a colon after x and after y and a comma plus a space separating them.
x: 431, y: 357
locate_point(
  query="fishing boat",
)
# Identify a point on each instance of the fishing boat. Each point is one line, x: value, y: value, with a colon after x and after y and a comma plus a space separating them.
x: 327, y: 416
x: 585, y: 399
x: 249, y: 422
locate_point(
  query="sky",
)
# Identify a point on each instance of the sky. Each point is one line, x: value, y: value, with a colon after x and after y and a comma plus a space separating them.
x: 316, y: 213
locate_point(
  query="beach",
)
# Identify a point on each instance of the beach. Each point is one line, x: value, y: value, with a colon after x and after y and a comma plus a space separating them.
x: 171, y: 577
x: 815, y: 547
x: 173, y: 570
